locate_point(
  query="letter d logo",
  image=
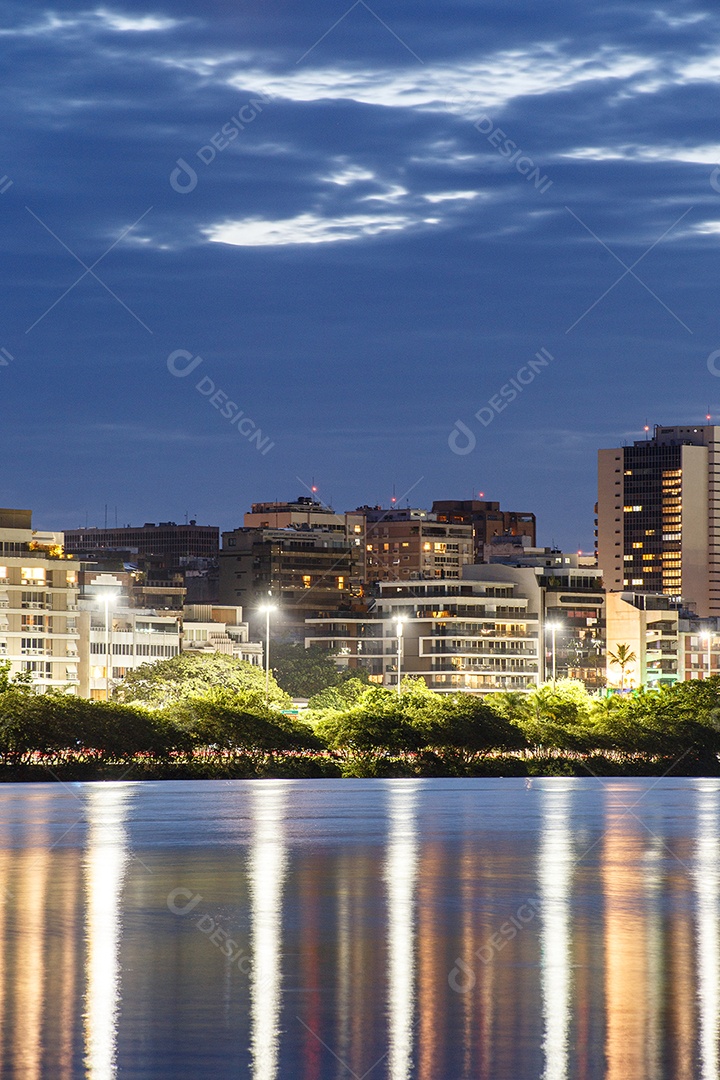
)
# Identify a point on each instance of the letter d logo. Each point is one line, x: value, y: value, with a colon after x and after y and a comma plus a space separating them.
x: 187, y: 369
x: 464, y: 432
x: 184, y: 178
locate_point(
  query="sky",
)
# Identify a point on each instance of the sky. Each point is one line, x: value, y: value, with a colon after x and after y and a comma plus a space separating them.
x: 420, y: 249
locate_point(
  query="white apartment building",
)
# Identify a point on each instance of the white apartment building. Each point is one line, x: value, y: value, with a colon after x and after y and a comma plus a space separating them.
x: 219, y: 628
x: 130, y: 636
x: 38, y: 604
x: 480, y: 636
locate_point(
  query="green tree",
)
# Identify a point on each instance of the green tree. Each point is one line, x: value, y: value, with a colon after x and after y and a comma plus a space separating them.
x: 191, y: 675
x: 302, y: 672
x: 623, y: 657
x: 468, y: 725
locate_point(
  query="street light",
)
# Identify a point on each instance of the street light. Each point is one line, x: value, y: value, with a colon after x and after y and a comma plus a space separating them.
x: 399, y: 627
x: 707, y: 638
x: 267, y: 608
x: 553, y: 627
x: 107, y: 599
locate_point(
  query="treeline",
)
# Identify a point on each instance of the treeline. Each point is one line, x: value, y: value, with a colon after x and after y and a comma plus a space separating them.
x: 207, y: 716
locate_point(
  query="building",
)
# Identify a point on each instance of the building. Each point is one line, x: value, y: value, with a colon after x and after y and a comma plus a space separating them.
x: 658, y: 516
x: 116, y: 639
x: 170, y: 541
x: 474, y: 636
x: 649, y: 625
x: 487, y: 520
x: 38, y: 604
x: 304, y: 570
x: 567, y: 595
x: 411, y: 544
x: 356, y: 640
x: 209, y: 628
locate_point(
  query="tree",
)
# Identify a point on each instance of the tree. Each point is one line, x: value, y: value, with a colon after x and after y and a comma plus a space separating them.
x: 191, y: 675
x: 21, y: 680
x: 623, y: 657
x: 305, y: 672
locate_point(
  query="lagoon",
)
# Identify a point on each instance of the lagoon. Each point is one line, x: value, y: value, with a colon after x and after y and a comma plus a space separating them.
x: 429, y: 929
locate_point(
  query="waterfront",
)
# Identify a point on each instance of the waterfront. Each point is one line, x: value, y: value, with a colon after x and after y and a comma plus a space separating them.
x: 496, y: 929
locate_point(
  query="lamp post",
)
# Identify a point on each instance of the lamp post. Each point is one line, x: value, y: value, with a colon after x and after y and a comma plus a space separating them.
x: 707, y: 638
x: 267, y: 608
x: 553, y: 627
x: 107, y: 599
x: 399, y: 627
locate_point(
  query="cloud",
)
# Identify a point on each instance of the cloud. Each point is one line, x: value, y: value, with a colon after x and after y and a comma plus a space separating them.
x: 100, y: 19
x: 308, y: 228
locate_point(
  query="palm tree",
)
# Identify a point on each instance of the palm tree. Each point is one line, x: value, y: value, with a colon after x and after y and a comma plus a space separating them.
x: 623, y: 657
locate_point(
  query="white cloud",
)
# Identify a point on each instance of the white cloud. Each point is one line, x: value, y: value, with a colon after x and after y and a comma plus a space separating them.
x: 465, y: 89
x: 351, y: 174
x: 692, y: 155
x: 101, y: 18
x: 115, y: 20
x: 449, y: 196
x: 305, y: 228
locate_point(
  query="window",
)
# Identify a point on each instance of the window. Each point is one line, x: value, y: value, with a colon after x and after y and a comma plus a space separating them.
x: 32, y: 575
x: 341, y: 583
x: 32, y: 646
x: 307, y: 581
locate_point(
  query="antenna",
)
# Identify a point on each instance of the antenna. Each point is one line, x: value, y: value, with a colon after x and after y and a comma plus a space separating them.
x: 708, y: 417
x: 116, y: 517
x: 106, y: 515
x: 647, y: 429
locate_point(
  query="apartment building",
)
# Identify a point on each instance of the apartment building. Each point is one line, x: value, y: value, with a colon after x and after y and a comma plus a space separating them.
x: 38, y: 604
x: 411, y: 544
x: 487, y: 519
x: 658, y: 519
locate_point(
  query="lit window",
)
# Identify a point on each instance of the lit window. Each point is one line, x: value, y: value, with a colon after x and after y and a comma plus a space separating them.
x: 637, y: 544
x: 306, y: 581
x: 32, y: 575
x: 341, y: 582
x: 636, y: 581
x: 427, y: 546
x: 631, y: 509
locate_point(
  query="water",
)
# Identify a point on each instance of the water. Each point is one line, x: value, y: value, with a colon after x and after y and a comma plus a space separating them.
x: 325, y: 930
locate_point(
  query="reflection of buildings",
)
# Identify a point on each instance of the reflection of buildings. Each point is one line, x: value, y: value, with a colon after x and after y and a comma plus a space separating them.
x: 555, y: 873
x: 707, y: 885
x: 266, y: 871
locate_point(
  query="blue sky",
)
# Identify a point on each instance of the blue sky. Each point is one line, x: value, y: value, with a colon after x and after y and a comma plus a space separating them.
x: 367, y: 262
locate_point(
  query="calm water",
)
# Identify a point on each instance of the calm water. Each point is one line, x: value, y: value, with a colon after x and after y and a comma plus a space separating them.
x: 431, y: 929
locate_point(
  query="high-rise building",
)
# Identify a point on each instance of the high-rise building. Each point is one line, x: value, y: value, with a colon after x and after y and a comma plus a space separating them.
x: 658, y: 518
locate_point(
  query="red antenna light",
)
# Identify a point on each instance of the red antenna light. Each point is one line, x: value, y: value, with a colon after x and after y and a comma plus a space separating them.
x: 393, y: 499
x: 313, y: 488
x: 481, y: 494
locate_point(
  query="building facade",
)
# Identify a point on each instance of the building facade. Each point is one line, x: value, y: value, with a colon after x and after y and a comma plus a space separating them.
x: 658, y: 520
x: 170, y: 541
x: 569, y: 597
x: 487, y: 520
x: 39, y: 589
x: 410, y: 544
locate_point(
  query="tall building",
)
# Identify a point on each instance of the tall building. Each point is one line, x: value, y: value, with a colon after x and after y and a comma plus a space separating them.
x: 38, y: 604
x: 658, y: 517
x: 487, y: 520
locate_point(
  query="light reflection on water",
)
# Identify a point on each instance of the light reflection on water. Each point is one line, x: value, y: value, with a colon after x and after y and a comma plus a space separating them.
x: 585, y: 915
